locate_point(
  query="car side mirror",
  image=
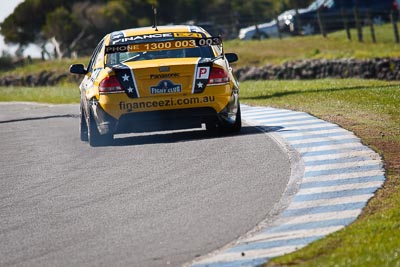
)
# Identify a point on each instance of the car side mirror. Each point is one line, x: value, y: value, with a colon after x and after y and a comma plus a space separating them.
x: 78, y: 69
x: 231, y: 57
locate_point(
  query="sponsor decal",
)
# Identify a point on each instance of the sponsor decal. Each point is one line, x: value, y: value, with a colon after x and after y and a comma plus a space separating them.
x: 116, y: 35
x: 208, y: 41
x: 187, y: 35
x: 163, y: 68
x: 164, y: 75
x: 151, y: 46
x: 172, y: 102
x: 121, y: 48
x: 127, y: 80
x: 158, y: 41
x: 166, y: 87
x: 142, y: 37
x: 93, y: 77
x: 118, y: 38
x: 203, y: 72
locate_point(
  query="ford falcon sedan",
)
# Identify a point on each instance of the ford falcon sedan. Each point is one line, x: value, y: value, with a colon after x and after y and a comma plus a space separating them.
x: 155, y: 79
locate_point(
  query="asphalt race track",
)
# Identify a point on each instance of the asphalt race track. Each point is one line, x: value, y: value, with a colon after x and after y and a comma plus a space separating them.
x: 158, y: 199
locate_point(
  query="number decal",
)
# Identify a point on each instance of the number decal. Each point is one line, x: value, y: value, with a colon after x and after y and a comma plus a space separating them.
x: 166, y: 45
x: 208, y: 41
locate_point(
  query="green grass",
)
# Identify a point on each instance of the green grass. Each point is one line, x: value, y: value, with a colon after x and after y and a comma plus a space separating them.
x: 336, y: 45
x: 337, y: 95
x: 37, y: 66
x: 68, y: 93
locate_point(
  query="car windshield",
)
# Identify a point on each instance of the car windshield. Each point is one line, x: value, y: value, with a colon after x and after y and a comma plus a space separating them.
x: 203, y: 52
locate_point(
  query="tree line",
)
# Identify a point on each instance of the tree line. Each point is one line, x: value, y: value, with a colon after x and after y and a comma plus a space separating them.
x: 74, y: 27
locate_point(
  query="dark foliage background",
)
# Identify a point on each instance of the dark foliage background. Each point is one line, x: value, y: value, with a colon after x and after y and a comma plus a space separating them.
x: 74, y: 27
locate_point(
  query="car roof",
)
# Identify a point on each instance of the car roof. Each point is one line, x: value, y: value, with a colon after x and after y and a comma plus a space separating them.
x: 160, y: 29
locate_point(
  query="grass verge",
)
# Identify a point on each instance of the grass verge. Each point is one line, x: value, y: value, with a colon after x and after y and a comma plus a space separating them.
x: 67, y: 93
x: 37, y: 66
x: 370, y: 109
x: 336, y: 45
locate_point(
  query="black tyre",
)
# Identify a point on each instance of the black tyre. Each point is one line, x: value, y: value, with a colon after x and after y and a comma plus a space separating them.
x: 83, y: 128
x: 94, y: 136
x: 234, y: 127
x: 212, y: 128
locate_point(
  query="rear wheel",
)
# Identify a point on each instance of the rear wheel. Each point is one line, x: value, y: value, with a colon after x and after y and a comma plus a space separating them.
x: 94, y: 136
x: 234, y: 127
x: 83, y: 128
x: 212, y: 127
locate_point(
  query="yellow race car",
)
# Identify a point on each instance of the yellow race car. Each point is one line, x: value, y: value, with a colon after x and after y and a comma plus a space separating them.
x: 153, y: 79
